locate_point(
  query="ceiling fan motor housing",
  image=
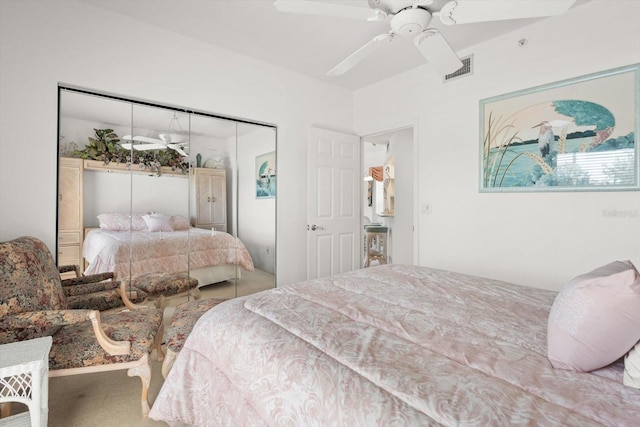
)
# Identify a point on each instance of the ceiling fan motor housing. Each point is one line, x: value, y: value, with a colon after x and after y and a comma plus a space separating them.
x: 410, y: 21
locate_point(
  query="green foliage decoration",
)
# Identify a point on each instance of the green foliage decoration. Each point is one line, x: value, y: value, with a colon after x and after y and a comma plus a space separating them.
x: 104, y: 146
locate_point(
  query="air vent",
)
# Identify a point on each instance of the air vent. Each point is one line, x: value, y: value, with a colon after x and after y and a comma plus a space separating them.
x: 466, y: 69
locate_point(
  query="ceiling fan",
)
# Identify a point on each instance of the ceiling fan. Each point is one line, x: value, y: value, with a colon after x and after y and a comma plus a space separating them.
x: 161, y: 143
x: 412, y: 18
x: 172, y: 140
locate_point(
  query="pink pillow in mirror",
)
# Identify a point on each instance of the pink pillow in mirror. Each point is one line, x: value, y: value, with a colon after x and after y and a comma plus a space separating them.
x: 179, y: 223
x: 122, y: 221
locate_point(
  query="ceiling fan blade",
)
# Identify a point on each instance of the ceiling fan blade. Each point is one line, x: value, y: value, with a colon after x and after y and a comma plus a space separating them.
x: 144, y: 139
x: 437, y: 51
x: 147, y: 143
x: 329, y: 9
x: 464, y: 12
x: 357, y: 56
x: 178, y: 148
x: 173, y: 138
x: 143, y: 147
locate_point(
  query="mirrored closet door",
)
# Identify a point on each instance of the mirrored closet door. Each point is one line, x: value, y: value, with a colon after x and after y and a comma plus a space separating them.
x: 149, y: 189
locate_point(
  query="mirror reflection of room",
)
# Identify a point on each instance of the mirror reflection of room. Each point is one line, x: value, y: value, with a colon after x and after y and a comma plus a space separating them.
x: 165, y: 195
x: 375, y: 154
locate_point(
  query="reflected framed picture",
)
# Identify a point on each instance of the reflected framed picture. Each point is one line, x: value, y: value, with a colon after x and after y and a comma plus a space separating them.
x: 574, y: 135
x: 266, y: 175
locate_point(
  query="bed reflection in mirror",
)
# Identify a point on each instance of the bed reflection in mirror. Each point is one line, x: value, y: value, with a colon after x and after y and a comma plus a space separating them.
x: 158, y: 195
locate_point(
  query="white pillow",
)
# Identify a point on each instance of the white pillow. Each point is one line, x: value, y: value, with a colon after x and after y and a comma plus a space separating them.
x: 122, y: 221
x: 158, y: 222
x: 632, y: 368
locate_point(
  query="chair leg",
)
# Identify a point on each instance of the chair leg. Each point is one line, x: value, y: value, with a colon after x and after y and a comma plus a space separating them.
x: 161, y: 302
x: 143, y: 370
x: 159, y: 337
x: 168, y: 362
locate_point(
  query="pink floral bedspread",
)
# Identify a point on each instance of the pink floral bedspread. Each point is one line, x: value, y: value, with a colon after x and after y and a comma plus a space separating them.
x: 389, y: 345
x: 170, y: 252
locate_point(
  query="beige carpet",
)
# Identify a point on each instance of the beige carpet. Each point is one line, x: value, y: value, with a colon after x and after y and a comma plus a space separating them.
x: 112, y: 398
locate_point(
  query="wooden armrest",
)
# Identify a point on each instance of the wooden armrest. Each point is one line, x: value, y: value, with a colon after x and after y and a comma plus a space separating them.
x: 92, y: 278
x: 68, y: 268
x: 122, y: 291
x: 38, y: 319
x: 114, y: 348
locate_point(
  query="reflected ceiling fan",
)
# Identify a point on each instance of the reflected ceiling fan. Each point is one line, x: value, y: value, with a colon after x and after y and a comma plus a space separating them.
x: 173, y: 140
x: 412, y: 18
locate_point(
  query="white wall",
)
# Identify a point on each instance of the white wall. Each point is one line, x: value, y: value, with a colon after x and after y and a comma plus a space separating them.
x: 256, y: 217
x: 401, y: 223
x: 46, y: 42
x: 538, y: 239
x: 123, y: 192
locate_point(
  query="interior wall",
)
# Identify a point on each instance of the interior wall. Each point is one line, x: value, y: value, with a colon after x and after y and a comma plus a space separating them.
x: 135, y: 192
x: 48, y: 42
x: 401, y: 223
x: 256, y: 216
x: 540, y: 239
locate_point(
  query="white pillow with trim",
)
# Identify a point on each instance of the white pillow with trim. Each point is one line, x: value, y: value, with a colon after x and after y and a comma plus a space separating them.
x: 632, y: 368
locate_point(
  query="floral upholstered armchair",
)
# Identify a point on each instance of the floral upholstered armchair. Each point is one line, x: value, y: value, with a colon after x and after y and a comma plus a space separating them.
x: 98, y: 291
x: 33, y: 303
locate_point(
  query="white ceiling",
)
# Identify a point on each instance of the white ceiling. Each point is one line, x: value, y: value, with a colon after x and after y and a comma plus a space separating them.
x: 309, y: 45
x: 108, y: 112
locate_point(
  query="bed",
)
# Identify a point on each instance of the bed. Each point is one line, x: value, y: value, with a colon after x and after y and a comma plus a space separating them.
x: 210, y: 257
x: 388, y: 345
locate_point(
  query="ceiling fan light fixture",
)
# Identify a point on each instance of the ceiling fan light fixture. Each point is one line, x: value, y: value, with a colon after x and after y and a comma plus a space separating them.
x: 410, y: 21
x: 171, y: 138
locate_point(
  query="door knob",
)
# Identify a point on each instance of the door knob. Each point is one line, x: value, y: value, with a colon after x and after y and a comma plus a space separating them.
x: 314, y: 227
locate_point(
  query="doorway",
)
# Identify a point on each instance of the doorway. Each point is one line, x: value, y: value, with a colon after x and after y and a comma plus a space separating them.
x: 390, y: 199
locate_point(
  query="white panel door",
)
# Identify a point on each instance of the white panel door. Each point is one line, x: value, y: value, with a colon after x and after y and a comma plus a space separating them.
x: 333, y: 227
